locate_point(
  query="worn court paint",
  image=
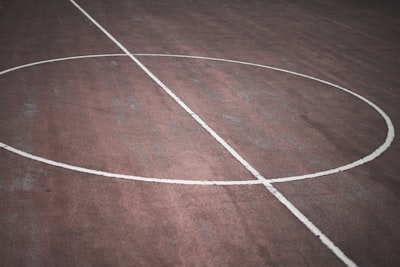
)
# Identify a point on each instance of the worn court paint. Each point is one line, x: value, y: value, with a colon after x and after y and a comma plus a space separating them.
x: 374, y: 154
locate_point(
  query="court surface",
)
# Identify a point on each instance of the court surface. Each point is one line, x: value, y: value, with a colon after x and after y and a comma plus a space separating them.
x: 199, y: 133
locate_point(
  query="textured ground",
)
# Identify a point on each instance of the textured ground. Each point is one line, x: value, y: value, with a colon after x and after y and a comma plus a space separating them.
x: 105, y: 114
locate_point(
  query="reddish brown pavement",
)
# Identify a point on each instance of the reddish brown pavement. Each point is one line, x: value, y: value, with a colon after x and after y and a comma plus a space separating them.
x: 105, y: 113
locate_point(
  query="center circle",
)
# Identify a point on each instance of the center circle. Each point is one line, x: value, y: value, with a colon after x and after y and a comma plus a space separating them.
x: 378, y: 151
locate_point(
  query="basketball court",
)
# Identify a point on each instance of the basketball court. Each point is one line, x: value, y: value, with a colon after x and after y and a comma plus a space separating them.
x: 199, y: 133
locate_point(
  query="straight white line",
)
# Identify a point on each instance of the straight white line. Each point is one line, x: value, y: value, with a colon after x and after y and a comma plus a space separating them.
x: 175, y: 97
x: 325, y: 240
x: 310, y: 225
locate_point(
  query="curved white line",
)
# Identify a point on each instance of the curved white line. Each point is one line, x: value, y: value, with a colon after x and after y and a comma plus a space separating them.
x: 123, y: 176
x: 377, y: 152
x: 388, y: 140
x: 57, y: 60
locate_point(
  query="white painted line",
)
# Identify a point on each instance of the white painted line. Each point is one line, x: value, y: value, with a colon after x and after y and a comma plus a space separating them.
x: 123, y: 176
x: 175, y: 97
x: 236, y: 155
x: 310, y: 225
x: 57, y: 60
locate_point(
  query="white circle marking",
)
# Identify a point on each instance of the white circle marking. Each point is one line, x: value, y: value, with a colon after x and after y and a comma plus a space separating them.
x: 377, y: 152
